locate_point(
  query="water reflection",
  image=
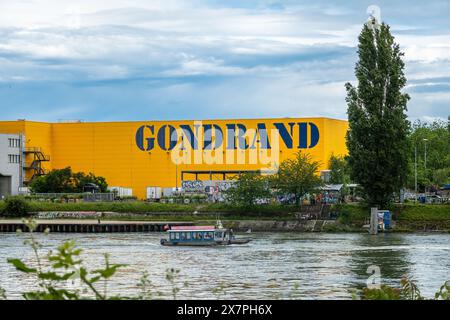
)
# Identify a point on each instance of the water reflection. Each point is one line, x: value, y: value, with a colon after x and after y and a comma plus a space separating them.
x: 386, y: 251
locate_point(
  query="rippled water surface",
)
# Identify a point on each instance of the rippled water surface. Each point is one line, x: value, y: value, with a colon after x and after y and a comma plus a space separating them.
x: 273, y: 265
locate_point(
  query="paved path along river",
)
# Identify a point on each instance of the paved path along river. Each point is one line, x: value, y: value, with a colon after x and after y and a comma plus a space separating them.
x: 323, y: 265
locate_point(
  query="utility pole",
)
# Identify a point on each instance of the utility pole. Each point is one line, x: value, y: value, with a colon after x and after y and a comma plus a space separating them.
x: 425, y: 140
x: 415, y: 172
x: 373, y: 229
x: 425, y: 162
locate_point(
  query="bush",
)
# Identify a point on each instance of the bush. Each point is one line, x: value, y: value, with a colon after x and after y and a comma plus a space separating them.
x: 247, y: 189
x: 16, y: 207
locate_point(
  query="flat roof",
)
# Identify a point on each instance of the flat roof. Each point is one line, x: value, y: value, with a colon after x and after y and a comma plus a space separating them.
x: 193, y: 228
x: 75, y: 122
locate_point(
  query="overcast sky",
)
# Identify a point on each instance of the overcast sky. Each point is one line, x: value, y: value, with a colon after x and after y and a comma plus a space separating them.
x: 171, y: 59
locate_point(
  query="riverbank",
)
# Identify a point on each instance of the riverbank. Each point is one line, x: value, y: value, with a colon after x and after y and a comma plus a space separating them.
x: 346, y: 217
x: 405, y: 218
x: 104, y: 226
x: 155, y: 207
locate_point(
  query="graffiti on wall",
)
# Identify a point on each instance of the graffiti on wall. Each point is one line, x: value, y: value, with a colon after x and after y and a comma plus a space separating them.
x: 193, y: 186
x: 215, y: 189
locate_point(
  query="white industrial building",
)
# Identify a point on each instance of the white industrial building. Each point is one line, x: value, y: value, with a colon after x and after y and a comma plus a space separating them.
x: 11, y: 164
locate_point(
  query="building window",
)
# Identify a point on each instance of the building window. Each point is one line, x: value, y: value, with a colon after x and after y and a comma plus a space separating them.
x: 13, y: 158
x: 14, y: 143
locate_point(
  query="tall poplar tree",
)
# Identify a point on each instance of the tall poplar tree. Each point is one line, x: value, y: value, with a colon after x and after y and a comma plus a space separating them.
x: 378, y: 125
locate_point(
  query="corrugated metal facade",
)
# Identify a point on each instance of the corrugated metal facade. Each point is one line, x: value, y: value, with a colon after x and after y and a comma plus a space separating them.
x: 140, y: 154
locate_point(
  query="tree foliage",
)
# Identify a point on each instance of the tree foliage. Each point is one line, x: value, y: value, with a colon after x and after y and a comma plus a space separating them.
x: 437, y: 143
x: 66, y: 181
x: 378, y: 126
x: 16, y: 206
x: 408, y: 291
x: 339, y: 170
x: 248, y: 188
x: 297, y: 176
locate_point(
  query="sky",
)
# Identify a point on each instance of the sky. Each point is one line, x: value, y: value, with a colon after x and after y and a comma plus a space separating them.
x: 171, y: 59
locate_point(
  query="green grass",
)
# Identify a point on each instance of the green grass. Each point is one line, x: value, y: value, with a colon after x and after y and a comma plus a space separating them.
x: 424, y: 212
x: 144, y: 207
x: 349, y: 213
x: 352, y: 213
x: 339, y: 227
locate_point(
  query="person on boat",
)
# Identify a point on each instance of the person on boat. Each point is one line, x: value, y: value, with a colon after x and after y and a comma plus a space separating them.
x: 231, y: 234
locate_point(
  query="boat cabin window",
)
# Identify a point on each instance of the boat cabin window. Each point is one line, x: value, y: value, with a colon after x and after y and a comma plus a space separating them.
x: 198, y: 235
x: 209, y: 235
x: 195, y: 235
x: 219, y: 234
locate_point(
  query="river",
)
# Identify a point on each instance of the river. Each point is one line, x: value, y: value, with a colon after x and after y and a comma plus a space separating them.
x: 273, y: 265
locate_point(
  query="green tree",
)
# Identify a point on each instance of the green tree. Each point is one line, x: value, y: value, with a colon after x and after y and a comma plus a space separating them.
x: 66, y: 181
x: 248, y: 188
x: 56, y: 181
x: 339, y: 170
x: 297, y: 176
x: 81, y: 179
x: 435, y: 137
x: 378, y: 126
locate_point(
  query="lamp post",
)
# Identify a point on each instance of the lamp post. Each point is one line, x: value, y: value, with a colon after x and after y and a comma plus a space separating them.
x: 176, y: 176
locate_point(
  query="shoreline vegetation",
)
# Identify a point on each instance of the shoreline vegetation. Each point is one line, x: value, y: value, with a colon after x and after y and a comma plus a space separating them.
x: 407, y: 217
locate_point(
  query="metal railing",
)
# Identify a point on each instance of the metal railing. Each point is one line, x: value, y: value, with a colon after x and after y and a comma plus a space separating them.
x: 32, y: 149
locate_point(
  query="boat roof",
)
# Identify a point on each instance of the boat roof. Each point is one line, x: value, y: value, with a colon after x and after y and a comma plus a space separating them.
x: 193, y: 228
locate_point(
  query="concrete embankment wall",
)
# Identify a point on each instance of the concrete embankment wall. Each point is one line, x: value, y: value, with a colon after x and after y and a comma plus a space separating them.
x: 255, y: 224
x: 237, y: 225
x: 279, y: 226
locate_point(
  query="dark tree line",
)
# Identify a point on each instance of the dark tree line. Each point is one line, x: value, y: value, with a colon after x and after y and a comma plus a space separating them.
x: 66, y: 181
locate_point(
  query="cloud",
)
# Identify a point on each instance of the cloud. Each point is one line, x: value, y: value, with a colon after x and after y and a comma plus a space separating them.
x: 114, y: 60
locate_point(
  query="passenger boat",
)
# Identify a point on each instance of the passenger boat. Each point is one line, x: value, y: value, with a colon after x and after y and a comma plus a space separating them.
x: 201, y: 236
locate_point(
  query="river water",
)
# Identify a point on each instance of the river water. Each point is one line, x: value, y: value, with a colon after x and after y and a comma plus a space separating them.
x: 273, y: 265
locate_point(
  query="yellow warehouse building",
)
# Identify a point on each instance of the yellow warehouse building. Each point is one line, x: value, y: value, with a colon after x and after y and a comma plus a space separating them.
x: 139, y: 154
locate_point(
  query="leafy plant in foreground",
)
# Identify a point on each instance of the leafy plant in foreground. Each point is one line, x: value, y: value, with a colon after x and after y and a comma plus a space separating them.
x: 63, y: 276
x: 64, y: 267
x: 408, y: 291
x: 172, y: 275
x: 444, y: 291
